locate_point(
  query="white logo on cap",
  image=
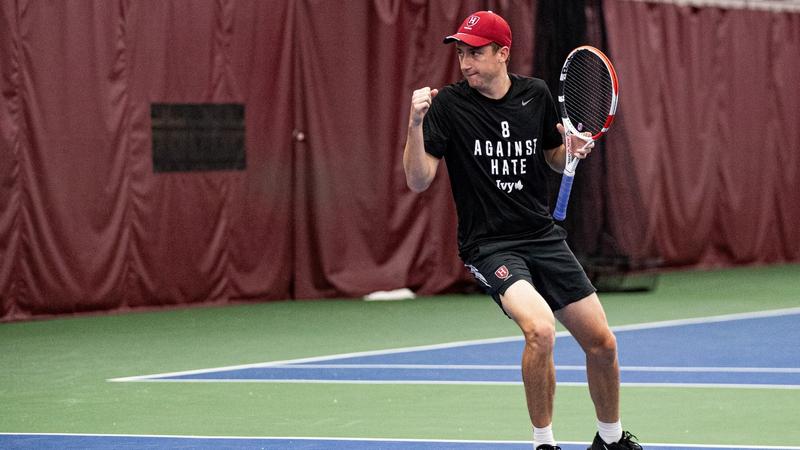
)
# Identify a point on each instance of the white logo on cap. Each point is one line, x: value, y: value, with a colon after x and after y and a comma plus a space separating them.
x: 473, y: 20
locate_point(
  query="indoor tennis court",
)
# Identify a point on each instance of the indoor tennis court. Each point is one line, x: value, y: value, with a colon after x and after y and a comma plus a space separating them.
x: 698, y: 363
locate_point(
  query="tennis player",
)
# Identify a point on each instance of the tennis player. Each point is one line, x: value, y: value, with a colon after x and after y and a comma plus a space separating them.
x: 500, y: 134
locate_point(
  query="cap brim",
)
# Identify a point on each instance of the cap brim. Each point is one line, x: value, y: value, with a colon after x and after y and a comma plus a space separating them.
x: 472, y: 41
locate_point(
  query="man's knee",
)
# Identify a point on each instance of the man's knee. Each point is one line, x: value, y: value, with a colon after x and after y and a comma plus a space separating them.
x: 540, y: 335
x: 603, y: 347
x: 532, y: 314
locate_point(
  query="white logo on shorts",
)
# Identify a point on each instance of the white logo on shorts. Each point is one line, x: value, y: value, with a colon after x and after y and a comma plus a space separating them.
x: 477, y: 274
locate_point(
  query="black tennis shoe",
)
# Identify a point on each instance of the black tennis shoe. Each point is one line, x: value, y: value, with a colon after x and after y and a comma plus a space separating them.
x: 626, y: 442
x: 548, y: 447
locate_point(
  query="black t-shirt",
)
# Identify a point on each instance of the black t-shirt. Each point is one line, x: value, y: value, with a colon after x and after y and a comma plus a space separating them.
x: 494, y: 151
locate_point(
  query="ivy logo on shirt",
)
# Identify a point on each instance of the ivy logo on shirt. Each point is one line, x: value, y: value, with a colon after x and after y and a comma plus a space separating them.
x: 509, y: 186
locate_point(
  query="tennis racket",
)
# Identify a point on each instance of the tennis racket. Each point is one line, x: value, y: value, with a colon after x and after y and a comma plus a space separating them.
x: 587, y: 100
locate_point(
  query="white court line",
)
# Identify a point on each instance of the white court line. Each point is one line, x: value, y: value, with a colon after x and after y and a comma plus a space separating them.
x: 709, y: 319
x: 515, y: 367
x: 326, y: 358
x: 465, y: 383
x: 640, y: 326
x: 361, y: 439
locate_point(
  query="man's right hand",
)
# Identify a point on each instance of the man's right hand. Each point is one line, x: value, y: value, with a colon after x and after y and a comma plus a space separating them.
x: 421, y: 101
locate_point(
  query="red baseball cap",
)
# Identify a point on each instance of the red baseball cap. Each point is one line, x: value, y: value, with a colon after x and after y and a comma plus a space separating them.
x: 482, y: 28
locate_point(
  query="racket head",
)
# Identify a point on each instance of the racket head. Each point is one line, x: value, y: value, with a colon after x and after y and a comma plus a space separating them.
x: 588, y: 92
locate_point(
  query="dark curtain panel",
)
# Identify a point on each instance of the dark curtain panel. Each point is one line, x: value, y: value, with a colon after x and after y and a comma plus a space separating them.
x: 561, y: 27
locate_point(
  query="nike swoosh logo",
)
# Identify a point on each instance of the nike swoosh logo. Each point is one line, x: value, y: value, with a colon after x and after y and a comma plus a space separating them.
x: 525, y: 102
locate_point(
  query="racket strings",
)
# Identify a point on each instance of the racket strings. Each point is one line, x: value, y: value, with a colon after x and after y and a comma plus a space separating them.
x: 587, y: 89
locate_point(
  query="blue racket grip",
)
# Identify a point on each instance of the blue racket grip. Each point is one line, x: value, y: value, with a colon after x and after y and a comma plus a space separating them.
x: 563, y: 197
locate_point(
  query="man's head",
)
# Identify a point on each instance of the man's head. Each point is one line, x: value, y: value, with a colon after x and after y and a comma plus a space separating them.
x: 483, y: 45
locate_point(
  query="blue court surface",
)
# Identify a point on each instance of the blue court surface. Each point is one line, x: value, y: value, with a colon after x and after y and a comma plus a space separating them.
x: 124, y: 442
x: 726, y: 351
x: 742, y: 351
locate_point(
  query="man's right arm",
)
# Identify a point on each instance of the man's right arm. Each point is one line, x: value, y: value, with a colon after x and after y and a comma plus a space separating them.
x: 420, y: 166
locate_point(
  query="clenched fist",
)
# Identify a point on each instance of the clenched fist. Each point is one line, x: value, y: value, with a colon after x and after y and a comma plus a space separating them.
x: 421, y: 101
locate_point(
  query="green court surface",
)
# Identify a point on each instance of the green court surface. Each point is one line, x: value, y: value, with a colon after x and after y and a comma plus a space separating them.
x: 53, y: 373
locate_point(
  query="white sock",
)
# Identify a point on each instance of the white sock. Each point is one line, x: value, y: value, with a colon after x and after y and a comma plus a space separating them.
x: 543, y: 436
x: 610, y: 432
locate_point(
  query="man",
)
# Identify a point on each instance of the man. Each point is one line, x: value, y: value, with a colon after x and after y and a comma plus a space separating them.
x: 500, y: 134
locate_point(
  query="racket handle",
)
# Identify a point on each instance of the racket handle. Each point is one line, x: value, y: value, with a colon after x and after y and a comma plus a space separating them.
x: 563, y: 197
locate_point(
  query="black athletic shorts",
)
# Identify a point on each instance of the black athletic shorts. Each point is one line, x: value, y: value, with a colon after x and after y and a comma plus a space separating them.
x: 549, y: 265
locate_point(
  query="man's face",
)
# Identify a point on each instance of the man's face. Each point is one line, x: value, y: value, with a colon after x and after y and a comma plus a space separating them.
x: 479, y: 65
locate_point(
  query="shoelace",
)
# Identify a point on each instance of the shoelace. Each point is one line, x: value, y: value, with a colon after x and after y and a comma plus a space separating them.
x: 629, y: 438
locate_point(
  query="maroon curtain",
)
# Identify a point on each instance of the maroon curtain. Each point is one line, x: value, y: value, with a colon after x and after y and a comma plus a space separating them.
x: 705, y: 141
x: 86, y: 223
x: 358, y: 227
x: 321, y: 209
x: 707, y: 137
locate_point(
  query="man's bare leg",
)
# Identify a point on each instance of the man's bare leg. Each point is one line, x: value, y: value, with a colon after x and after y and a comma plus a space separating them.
x: 586, y: 321
x: 532, y: 314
